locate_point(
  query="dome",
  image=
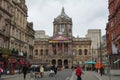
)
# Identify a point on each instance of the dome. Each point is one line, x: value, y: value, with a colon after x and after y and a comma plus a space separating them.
x: 63, y: 15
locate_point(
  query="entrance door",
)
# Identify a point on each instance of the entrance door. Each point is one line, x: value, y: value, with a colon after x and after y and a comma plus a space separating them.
x: 59, y: 67
x: 66, y: 63
x: 53, y: 62
x: 59, y: 63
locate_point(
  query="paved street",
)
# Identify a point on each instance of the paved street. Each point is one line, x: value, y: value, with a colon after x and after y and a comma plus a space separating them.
x: 66, y: 74
x: 87, y: 75
x: 61, y: 75
x: 91, y: 75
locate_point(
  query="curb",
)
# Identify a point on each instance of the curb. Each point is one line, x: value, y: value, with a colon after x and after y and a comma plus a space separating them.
x: 6, y: 77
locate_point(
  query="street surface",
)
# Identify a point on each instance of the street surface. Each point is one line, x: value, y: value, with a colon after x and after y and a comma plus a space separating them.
x: 61, y: 75
x: 87, y: 75
x: 66, y: 74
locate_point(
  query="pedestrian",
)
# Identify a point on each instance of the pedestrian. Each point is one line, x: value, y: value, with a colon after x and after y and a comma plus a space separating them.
x: 19, y: 69
x: 55, y: 70
x: 101, y: 71
x: 78, y: 72
x: 41, y: 71
x: 24, y: 70
x: 1, y: 71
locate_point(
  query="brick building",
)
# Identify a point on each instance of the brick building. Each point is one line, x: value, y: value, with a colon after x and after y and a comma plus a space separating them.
x: 113, y: 33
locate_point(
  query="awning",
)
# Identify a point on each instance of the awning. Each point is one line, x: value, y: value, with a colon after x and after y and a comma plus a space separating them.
x: 22, y: 62
x: 90, y: 62
x: 12, y: 60
x: 39, y: 63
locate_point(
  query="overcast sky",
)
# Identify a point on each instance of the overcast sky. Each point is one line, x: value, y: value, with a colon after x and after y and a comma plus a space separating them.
x: 85, y: 14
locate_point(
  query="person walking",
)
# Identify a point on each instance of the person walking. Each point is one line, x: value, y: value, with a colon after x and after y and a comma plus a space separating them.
x: 1, y: 70
x: 24, y: 70
x: 41, y: 71
x: 55, y: 70
x: 78, y: 72
x: 101, y: 71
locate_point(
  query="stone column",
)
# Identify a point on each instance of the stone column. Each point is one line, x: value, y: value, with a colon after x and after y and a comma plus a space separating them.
x: 70, y: 49
x: 39, y: 51
x: 50, y: 49
x: 56, y: 62
x: 63, y: 48
x: 56, y: 48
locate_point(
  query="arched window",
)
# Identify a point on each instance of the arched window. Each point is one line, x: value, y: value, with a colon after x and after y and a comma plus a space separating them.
x: 74, y: 51
x: 80, y: 52
x: 86, y: 51
x: 41, y: 51
x: 36, y: 52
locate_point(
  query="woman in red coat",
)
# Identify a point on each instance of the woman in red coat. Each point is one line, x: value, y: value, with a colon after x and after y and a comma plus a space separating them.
x: 78, y: 72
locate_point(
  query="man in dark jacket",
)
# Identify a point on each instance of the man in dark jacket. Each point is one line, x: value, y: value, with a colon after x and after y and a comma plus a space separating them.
x: 25, y: 69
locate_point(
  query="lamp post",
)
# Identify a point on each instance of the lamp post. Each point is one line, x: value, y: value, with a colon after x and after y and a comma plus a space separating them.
x: 100, y: 55
x: 108, y: 67
x: 100, y: 48
x: 92, y: 59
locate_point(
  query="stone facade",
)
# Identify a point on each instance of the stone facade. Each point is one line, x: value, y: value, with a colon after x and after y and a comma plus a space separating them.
x: 62, y: 49
x: 16, y: 35
x: 15, y: 32
x: 40, y: 34
x: 30, y: 40
x: 104, y: 49
x: 5, y: 22
x: 81, y: 48
x: 18, y: 30
x: 113, y: 33
x: 95, y: 36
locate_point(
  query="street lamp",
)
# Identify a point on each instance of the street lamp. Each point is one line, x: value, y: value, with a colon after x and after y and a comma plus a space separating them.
x: 108, y: 66
x: 92, y: 59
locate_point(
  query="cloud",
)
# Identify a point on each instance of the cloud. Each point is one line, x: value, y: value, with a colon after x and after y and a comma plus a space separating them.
x: 85, y: 14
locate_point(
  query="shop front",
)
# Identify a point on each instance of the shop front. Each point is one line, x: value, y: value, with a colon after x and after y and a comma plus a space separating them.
x: 12, y: 65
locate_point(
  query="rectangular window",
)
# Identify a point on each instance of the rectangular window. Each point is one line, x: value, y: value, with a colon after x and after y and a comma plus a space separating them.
x: 114, y: 48
x: 112, y: 35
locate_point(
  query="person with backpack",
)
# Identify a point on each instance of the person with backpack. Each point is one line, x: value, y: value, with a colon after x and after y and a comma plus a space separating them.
x: 78, y: 72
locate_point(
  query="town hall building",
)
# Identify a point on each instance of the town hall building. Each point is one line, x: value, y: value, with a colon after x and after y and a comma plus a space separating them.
x: 61, y: 49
